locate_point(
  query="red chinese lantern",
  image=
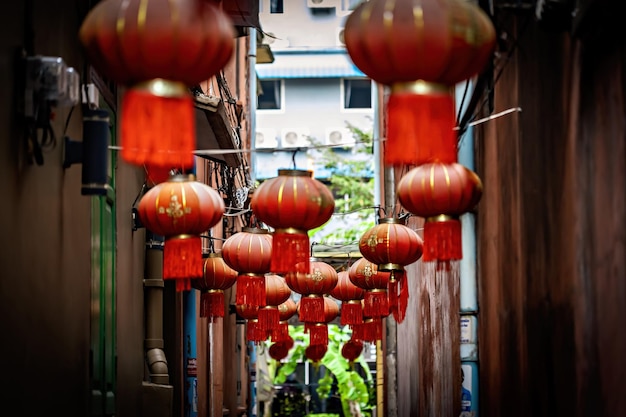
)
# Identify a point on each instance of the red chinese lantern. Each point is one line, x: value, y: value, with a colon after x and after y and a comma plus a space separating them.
x: 280, y: 350
x: 352, y: 349
x: 390, y: 245
x: 254, y: 333
x: 318, y: 331
x: 217, y: 277
x: 366, y: 275
x: 249, y: 253
x: 420, y: 49
x: 315, y: 353
x: 292, y: 203
x: 320, y: 280
x: 286, y: 311
x: 181, y: 209
x: 351, y: 298
x: 440, y: 193
x: 371, y: 330
x: 276, y: 293
x: 158, y: 48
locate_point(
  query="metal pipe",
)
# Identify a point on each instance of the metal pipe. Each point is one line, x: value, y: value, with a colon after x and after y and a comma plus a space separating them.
x: 252, y: 97
x: 153, y: 296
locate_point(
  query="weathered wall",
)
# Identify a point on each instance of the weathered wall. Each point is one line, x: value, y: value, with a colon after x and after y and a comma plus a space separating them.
x: 552, y: 230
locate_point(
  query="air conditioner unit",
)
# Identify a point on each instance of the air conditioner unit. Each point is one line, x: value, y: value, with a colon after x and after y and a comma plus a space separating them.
x: 322, y: 3
x: 295, y: 138
x: 266, y: 138
x: 339, y: 39
x: 339, y: 136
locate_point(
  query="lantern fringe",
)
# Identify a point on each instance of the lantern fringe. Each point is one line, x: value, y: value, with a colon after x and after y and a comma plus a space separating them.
x: 420, y: 129
x: 376, y: 303
x: 156, y: 130
x: 369, y: 331
x: 311, y: 309
x: 182, y: 260
x: 212, y: 304
x: 254, y: 333
x: 351, y: 313
x: 269, y: 318
x: 290, y: 252
x: 156, y: 174
x: 403, y: 299
x: 318, y: 333
x: 281, y: 332
x: 392, y: 296
x: 250, y: 290
x: 442, y: 240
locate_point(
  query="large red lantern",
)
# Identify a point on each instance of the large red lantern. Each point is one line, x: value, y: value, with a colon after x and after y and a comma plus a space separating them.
x: 217, y: 277
x: 249, y: 253
x: 276, y: 293
x: 292, y: 203
x: 440, y: 193
x: 181, y: 209
x: 158, y: 48
x: 320, y: 280
x: 351, y: 297
x: 420, y: 49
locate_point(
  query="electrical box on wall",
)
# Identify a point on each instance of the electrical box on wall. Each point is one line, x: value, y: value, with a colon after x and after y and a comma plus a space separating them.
x: 49, y: 82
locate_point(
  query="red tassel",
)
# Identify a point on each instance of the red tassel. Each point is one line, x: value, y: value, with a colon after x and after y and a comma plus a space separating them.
x: 376, y: 303
x: 158, y: 129
x: 442, y: 239
x: 392, y: 292
x: 372, y: 330
x: 403, y: 299
x: 269, y: 318
x: 420, y: 125
x: 182, y: 260
x: 254, y: 333
x: 318, y: 333
x: 281, y: 332
x: 250, y: 290
x: 311, y: 309
x: 351, y: 313
x: 156, y: 175
x: 290, y: 252
x: 212, y: 304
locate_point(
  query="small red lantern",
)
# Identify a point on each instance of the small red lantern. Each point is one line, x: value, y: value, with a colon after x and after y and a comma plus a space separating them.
x: 254, y: 333
x: 276, y: 293
x: 217, y: 277
x: 366, y: 275
x: 286, y: 311
x: 181, y: 209
x: 352, y: 349
x: 292, y: 203
x: 315, y: 353
x: 318, y: 331
x: 391, y: 245
x: 440, y: 193
x: 351, y: 297
x: 158, y: 48
x: 249, y: 253
x: 421, y: 49
x: 280, y: 350
x: 320, y: 280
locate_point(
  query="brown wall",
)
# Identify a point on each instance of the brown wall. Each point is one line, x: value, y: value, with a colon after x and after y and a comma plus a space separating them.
x: 45, y: 243
x: 552, y: 230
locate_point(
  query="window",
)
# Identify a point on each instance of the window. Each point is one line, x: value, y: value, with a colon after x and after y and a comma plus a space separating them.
x: 357, y: 94
x: 349, y: 5
x: 276, y: 6
x: 270, y: 95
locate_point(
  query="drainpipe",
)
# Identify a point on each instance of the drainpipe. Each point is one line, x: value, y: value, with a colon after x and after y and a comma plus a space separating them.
x: 153, y: 293
x: 468, y: 283
x: 252, y: 93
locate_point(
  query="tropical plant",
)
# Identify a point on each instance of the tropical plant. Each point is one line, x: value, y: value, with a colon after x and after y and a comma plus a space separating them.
x: 353, y: 389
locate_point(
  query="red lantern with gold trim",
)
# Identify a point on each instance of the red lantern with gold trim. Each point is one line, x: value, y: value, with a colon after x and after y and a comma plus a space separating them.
x: 292, y: 203
x: 181, y: 209
x: 158, y: 48
x: 320, y: 280
x: 249, y: 252
x: 440, y: 193
x: 351, y: 297
x: 217, y: 277
x: 318, y: 331
x: 254, y: 333
x: 286, y: 310
x: 421, y: 49
x: 276, y: 293
x: 366, y: 275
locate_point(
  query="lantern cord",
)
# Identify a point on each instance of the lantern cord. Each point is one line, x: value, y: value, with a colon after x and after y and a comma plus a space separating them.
x: 141, y: 192
x: 493, y: 116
